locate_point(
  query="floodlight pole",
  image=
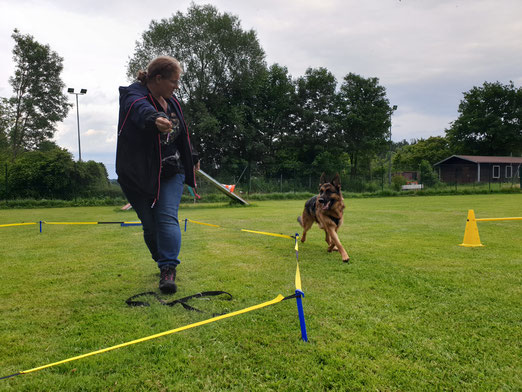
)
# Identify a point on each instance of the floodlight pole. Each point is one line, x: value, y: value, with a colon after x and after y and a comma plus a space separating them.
x: 82, y: 92
x: 394, y: 108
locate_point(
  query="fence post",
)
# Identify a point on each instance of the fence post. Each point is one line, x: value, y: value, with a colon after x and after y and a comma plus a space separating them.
x: 249, y: 177
x: 6, y: 185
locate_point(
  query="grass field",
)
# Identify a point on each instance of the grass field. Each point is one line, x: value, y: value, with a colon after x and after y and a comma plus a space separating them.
x: 413, y: 311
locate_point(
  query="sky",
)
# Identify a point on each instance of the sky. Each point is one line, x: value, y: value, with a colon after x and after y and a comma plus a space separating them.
x: 426, y: 53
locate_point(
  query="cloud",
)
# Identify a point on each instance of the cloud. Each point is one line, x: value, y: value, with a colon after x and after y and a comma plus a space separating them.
x: 423, y: 125
x: 426, y: 53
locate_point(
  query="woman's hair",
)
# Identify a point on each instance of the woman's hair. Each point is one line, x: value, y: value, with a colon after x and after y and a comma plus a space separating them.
x: 165, y: 66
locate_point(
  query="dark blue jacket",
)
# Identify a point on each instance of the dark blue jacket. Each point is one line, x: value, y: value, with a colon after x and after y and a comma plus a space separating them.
x: 138, y: 152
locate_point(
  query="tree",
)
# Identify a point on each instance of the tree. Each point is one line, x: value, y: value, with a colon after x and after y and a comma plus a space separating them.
x: 38, y: 103
x: 434, y: 149
x: 314, y: 119
x: 363, y: 118
x: 89, y: 177
x: 490, y: 121
x: 275, y: 111
x: 4, y: 141
x: 428, y: 176
x: 223, y: 67
x: 398, y: 181
x: 37, y: 174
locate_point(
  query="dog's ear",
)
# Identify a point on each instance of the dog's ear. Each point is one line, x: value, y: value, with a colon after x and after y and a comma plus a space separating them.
x: 337, y: 181
x: 322, y: 180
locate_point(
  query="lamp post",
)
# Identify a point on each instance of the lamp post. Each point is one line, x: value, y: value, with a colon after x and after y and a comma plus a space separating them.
x: 394, y: 108
x: 82, y: 92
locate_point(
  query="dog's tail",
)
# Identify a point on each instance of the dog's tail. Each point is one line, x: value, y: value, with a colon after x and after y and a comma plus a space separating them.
x: 299, y: 220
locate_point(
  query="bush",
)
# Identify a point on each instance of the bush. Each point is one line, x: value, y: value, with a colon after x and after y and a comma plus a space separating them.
x: 428, y: 176
x: 398, y: 182
x: 46, y: 203
x: 53, y: 174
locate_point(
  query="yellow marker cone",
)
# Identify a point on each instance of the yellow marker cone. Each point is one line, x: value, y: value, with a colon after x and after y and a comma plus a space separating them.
x: 471, y: 234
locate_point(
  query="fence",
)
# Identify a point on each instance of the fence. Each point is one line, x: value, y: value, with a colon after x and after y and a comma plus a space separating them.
x: 256, y: 181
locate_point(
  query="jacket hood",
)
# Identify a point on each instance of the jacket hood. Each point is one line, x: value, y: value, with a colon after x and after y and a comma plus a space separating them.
x: 136, y: 88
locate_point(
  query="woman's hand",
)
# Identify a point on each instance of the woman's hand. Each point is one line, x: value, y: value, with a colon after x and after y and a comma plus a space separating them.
x: 164, y: 125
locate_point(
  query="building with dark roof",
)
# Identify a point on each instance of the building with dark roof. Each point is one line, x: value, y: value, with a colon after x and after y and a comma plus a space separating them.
x: 473, y: 168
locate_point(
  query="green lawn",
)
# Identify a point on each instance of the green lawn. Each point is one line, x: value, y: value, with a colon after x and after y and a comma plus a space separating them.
x: 412, y: 311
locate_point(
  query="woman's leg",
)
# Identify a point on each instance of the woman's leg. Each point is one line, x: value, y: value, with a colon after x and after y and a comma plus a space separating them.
x: 168, y: 233
x: 142, y: 206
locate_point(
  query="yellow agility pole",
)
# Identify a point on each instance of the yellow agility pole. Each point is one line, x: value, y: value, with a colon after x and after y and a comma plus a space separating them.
x: 70, y: 223
x: 471, y: 233
x: 277, y: 299
x: 244, y: 230
x: 270, y: 234
x: 89, y: 223
x: 201, y: 223
x: 299, y: 293
x: 65, y: 223
x: 497, y: 219
x: 297, y: 273
x: 18, y: 224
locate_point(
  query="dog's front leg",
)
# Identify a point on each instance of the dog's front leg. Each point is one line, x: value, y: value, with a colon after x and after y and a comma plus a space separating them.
x: 331, y: 244
x: 328, y: 240
x: 336, y: 242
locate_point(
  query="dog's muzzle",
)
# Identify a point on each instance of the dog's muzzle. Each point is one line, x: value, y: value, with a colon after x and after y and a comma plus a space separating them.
x: 325, y: 204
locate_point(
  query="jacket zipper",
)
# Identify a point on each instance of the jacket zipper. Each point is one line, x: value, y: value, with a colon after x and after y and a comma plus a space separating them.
x: 188, y: 138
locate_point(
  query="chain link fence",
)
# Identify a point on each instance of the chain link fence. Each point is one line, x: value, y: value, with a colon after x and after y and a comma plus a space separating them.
x: 254, y: 181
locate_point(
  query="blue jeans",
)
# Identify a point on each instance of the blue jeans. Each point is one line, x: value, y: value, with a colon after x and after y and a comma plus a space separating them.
x: 160, y: 224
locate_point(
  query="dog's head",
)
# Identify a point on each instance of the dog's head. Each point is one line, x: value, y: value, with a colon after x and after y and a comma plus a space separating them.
x: 329, y: 192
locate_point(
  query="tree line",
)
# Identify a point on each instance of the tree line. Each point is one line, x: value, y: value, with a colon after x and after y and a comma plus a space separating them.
x: 244, y: 113
x: 31, y: 164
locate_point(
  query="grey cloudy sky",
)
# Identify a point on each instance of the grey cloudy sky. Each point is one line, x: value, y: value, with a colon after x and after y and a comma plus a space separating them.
x: 426, y: 53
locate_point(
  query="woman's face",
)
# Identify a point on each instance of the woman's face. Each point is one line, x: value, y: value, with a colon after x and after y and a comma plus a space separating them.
x: 168, y: 85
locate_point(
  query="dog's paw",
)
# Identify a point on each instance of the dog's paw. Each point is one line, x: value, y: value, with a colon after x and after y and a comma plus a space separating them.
x: 346, y: 261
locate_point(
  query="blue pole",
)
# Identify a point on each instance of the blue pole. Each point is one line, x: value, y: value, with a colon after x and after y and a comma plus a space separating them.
x: 40, y: 226
x: 300, y: 311
x: 186, y: 224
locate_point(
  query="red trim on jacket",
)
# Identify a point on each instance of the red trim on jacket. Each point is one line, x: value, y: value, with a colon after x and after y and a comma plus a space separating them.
x: 128, y: 111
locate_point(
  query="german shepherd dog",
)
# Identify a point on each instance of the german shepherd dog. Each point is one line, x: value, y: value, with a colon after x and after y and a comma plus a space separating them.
x: 327, y: 210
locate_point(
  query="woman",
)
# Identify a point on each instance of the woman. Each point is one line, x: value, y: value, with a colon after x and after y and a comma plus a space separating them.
x: 154, y: 159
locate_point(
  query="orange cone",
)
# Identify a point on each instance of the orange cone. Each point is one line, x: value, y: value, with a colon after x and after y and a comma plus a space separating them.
x: 231, y: 188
